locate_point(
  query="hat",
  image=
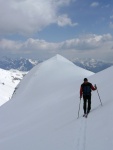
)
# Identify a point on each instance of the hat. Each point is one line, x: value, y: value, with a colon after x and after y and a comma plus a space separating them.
x: 85, y: 79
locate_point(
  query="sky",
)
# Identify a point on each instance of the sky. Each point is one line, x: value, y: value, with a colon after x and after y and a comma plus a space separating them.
x: 40, y: 29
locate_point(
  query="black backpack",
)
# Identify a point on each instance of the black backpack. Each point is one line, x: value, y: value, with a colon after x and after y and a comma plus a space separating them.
x: 86, y: 88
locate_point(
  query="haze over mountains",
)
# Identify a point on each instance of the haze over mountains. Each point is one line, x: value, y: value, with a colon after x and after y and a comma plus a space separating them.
x: 24, y: 64
x: 43, y: 112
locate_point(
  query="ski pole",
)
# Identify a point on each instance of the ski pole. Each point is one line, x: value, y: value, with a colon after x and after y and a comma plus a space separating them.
x: 79, y: 109
x: 99, y: 96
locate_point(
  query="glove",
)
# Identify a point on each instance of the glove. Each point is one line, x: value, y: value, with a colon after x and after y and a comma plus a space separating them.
x: 80, y: 97
x: 95, y: 86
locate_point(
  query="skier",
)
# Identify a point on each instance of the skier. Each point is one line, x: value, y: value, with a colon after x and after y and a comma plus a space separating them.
x: 85, y: 91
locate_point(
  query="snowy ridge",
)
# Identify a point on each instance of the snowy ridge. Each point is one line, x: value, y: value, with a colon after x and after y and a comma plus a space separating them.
x: 51, y: 76
x: 43, y: 112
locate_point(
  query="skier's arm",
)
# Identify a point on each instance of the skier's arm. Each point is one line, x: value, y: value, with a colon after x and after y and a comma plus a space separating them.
x: 93, y: 88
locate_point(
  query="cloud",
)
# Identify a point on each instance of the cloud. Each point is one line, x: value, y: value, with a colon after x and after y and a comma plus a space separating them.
x: 94, y: 4
x: 30, y: 16
x: 87, y: 42
x: 9, y: 45
x: 86, y: 46
x: 64, y: 20
x: 111, y: 17
x: 111, y: 25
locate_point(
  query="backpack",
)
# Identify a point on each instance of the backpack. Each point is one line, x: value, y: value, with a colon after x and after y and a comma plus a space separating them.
x: 86, y: 88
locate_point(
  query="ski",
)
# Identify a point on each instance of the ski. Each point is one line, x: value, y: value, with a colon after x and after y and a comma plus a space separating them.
x: 85, y: 115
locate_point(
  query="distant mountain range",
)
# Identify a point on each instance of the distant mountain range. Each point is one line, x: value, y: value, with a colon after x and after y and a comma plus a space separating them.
x: 21, y: 64
x: 92, y: 64
x: 24, y: 64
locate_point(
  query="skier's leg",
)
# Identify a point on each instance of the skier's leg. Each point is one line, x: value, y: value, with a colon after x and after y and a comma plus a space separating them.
x: 89, y: 103
x: 84, y: 104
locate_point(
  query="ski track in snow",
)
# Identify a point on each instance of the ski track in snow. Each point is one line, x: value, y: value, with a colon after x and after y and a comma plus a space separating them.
x: 82, y: 131
x: 82, y: 136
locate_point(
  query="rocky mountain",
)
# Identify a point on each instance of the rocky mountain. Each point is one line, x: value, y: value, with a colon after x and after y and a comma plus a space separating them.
x: 23, y: 64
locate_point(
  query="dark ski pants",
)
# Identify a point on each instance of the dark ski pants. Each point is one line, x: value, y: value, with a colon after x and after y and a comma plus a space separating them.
x: 86, y: 106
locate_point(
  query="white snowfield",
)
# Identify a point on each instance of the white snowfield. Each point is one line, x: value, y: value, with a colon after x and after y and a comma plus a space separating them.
x: 9, y: 79
x: 42, y: 115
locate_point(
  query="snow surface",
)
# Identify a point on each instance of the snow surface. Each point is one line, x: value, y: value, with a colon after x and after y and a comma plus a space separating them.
x: 8, y: 82
x: 42, y: 115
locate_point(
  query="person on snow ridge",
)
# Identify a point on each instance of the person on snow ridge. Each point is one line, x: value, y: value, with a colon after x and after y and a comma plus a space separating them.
x: 85, y: 91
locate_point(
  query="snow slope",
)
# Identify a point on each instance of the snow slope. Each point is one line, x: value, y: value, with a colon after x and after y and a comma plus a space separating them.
x: 8, y: 82
x: 42, y: 114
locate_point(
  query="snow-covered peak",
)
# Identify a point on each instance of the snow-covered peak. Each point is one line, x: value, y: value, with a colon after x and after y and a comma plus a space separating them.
x: 59, y: 58
x: 48, y: 77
